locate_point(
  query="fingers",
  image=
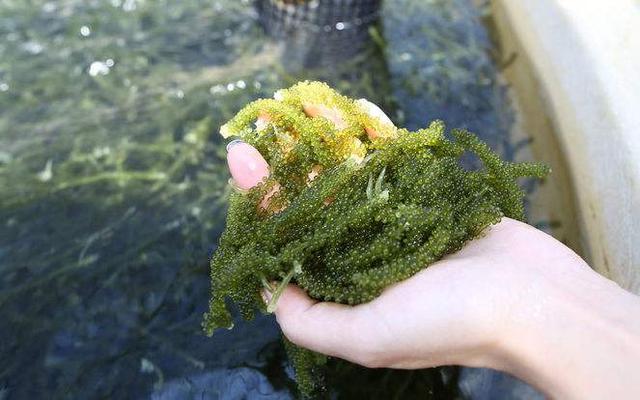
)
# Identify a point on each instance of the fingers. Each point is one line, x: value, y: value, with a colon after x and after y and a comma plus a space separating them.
x: 331, y: 114
x: 334, y: 329
x: 374, y: 111
x: 248, y: 167
x: 335, y: 116
x: 246, y: 164
x: 263, y: 121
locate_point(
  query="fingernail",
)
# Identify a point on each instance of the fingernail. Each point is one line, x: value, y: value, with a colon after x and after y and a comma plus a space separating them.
x: 374, y: 111
x: 233, y: 143
x: 247, y: 166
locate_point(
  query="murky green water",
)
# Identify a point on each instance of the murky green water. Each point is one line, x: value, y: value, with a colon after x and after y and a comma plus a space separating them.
x: 113, y: 182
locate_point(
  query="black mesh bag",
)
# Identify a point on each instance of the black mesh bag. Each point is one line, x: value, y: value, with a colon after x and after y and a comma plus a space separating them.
x: 320, y: 33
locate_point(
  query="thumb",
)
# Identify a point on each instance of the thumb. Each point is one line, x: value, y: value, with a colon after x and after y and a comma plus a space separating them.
x: 334, y: 329
x: 247, y: 166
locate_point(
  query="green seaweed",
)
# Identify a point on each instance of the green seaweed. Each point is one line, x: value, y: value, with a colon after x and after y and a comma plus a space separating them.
x: 382, y: 207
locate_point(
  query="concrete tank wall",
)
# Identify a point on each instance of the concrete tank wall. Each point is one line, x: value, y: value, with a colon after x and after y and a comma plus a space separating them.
x: 584, y: 59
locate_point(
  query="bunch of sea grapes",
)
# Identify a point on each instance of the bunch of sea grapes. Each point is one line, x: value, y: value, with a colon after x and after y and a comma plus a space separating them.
x: 352, y: 205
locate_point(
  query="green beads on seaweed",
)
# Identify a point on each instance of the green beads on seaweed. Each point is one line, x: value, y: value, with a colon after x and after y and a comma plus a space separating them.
x: 359, y: 205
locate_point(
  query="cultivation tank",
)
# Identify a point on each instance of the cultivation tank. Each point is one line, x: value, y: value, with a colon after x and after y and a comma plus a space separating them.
x: 115, y: 185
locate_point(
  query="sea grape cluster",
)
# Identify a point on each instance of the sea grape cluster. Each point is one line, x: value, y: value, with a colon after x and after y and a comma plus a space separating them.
x: 352, y: 205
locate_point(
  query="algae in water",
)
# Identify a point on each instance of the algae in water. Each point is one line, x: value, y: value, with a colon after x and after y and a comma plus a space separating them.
x: 354, y: 205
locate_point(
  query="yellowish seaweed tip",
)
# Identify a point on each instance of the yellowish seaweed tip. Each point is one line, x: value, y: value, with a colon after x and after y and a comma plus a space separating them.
x: 225, y: 131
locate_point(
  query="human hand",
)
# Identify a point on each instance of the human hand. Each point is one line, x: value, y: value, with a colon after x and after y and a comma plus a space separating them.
x: 514, y: 299
x: 459, y: 310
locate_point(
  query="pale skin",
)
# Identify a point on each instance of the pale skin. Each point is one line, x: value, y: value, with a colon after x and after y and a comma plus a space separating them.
x: 515, y: 300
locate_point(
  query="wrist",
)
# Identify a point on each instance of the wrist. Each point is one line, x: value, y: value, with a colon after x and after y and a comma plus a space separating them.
x: 575, y: 338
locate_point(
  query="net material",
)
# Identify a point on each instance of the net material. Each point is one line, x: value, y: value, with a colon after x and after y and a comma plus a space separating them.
x: 320, y: 33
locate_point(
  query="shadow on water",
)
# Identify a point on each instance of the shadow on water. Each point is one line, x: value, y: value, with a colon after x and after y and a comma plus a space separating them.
x: 114, y: 183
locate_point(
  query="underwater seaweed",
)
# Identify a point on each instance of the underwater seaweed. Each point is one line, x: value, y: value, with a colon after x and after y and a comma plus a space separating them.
x: 352, y: 205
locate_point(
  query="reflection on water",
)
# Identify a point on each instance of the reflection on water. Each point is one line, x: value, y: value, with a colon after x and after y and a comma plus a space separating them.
x: 113, y: 180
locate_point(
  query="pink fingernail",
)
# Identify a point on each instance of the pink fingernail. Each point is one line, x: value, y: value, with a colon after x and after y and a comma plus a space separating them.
x: 248, y: 167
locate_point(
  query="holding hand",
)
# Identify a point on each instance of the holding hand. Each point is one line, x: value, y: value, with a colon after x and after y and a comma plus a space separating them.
x: 515, y: 300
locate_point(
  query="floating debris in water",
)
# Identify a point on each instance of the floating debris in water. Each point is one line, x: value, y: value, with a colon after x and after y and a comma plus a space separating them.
x: 47, y: 173
x: 98, y: 68
x: 33, y: 47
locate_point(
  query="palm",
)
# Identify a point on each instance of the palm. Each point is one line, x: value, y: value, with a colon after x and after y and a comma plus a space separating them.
x: 452, y: 310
